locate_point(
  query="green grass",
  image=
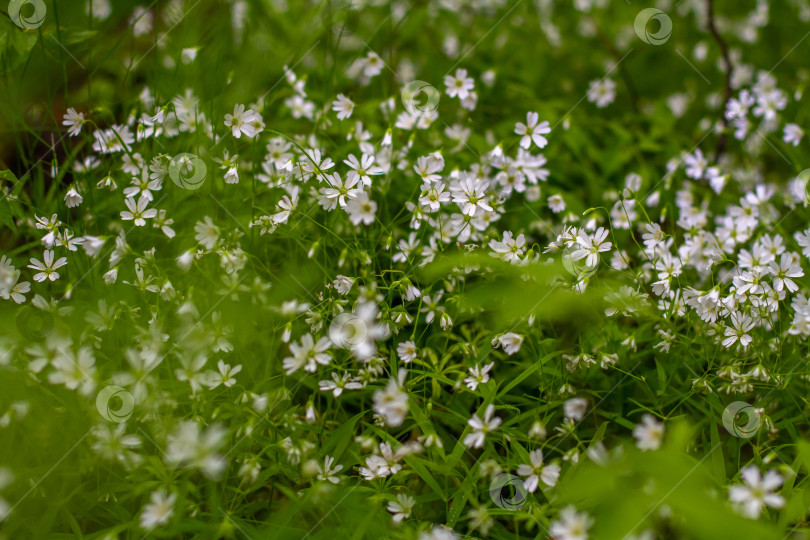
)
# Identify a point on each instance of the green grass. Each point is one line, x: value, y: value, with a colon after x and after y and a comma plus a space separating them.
x: 250, y: 470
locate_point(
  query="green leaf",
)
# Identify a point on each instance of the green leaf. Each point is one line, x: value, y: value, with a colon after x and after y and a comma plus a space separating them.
x: 15, y: 45
x: 463, y: 492
x: 340, y: 438
x: 420, y: 468
x: 520, y: 378
x: 718, y: 461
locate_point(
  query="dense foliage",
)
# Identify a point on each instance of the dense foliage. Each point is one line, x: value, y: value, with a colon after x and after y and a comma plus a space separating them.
x: 404, y: 269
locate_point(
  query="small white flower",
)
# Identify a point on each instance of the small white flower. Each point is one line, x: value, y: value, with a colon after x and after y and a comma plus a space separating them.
x: 459, y: 85
x: 556, y: 203
x: 72, y: 198
x: 602, y: 92
x: 407, y: 351
x: 757, y: 493
x: 308, y: 355
x: 343, y: 284
x: 338, y: 384
x: 575, y: 408
x: 481, y: 427
x: 189, y: 54
x: 343, y: 106
x: 327, y: 472
x: 361, y: 209
x: 244, y: 122
x: 138, y: 211
x: 536, y: 471
x: 649, y: 433
x: 392, y: 403
x: 793, y: 134
x: 74, y: 120
x: 571, y: 525
x: 532, y: 132
x: 511, y: 342
x: 478, y: 375
x: 47, y: 268
x: 401, y: 508
x: 159, y: 510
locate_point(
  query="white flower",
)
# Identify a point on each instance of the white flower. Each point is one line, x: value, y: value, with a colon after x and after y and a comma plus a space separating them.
x: 371, y: 65
x: 138, y: 212
x: 469, y: 193
x: 343, y: 106
x: 591, y: 246
x: 787, y: 268
x: 190, y: 446
x: 207, y: 233
x: 536, y: 471
x: 481, y: 427
x: 10, y: 286
x: 72, y: 198
x: 571, y: 525
x: 740, y: 326
x: 343, y: 284
x: 47, y: 268
x: 757, y: 493
x: 695, y: 164
x: 478, y: 375
x: 649, y: 433
x: 158, y: 511
x: 392, y: 403
x: 361, y: 209
x: 92, y: 245
x: 111, y: 276
x: 329, y: 473
x: 300, y: 107
x: 74, y: 370
x: 575, y: 408
x: 793, y: 134
x: 654, y: 235
x: 510, y: 249
x: 287, y: 204
x: 511, y: 342
x: 307, y: 355
x: 459, y: 85
x: 74, y: 120
x: 227, y: 373
x: 338, y: 384
x: 401, y: 508
x: 189, y: 54
x: 433, y: 196
x: 243, y: 121
x: 556, y: 203
x: 438, y: 532
x: 602, y: 92
x: 363, y: 168
x: 341, y: 189
x: 531, y: 131
x: 407, y: 351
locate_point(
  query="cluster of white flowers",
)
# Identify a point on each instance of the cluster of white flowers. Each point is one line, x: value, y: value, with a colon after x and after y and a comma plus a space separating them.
x: 701, y: 257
